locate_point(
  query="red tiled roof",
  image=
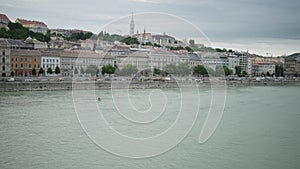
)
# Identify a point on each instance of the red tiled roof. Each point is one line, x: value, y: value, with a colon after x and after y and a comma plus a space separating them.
x: 3, y: 17
x: 22, y: 52
x: 27, y: 22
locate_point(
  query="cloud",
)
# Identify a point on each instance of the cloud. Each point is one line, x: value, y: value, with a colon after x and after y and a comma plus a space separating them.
x: 146, y: 1
x: 220, y: 20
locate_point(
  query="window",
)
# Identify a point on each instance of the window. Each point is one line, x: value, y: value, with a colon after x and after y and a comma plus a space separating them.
x: 29, y: 65
x: 16, y: 59
x: 16, y: 65
x: 35, y: 59
x: 12, y: 59
x: 3, y: 68
x: 43, y: 60
x: 25, y: 59
x: 12, y: 65
x: 21, y: 65
x: 3, y: 60
x: 3, y: 52
x: 21, y: 59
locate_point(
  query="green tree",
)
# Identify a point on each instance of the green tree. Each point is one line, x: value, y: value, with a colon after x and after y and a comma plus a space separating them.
x: 49, y: 70
x: 238, y: 70
x: 210, y: 71
x: 171, y: 69
x: 41, y: 71
x: 57, y: 70
x: 148, y: 44
x: 223, y: 70
x: 130, y: 40
x: 33, y: 72
x: 108, y: 69
x: 82, y: 70
x: 156, y: 71
x: 220, y: 50
x: 183, y: 69
x: 200, y: 70
x: 17, y: 31
x: 92, y: 69
x: 189, y: 49
x: 128, y: 70
x: 76, y: 71
x: 279, y: 70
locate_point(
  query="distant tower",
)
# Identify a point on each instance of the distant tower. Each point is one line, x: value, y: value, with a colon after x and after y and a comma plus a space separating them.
x: 131, y: 25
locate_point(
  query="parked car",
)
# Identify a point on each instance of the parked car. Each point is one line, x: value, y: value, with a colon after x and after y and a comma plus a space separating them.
x: 11, y: 79
x: 28, y: 80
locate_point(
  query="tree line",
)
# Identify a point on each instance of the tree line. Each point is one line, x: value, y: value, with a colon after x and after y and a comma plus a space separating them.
x: 17, y: 31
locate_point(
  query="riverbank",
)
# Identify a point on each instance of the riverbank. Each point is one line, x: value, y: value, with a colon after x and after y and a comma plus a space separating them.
x: 68, y: 85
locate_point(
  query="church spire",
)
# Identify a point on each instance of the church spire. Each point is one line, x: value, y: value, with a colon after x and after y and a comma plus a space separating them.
x: 131, y: 25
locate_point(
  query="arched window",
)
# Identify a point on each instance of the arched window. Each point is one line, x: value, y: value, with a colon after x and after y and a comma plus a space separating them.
x: 3, y: 60
x: 3, y: 68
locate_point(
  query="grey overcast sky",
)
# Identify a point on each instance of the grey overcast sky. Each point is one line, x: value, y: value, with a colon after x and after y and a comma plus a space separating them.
x: 260, y: 26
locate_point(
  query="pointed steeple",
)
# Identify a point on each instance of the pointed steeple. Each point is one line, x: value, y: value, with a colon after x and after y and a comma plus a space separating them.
x: 131, y: 25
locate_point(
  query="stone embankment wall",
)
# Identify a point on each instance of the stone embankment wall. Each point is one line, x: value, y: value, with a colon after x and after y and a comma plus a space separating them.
x: 68, y: 85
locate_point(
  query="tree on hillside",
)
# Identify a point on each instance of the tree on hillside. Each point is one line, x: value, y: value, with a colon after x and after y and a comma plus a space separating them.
x: 80, y: 36
x: 189, y: 49
x: 130, y: 40
x: 17, y: 31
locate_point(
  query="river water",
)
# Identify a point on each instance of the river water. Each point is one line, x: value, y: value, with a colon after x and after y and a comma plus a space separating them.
x: 260, y: 128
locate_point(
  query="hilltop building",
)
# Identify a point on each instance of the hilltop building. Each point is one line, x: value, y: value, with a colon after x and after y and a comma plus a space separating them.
x: 34, y: 26
x: 4, y: 20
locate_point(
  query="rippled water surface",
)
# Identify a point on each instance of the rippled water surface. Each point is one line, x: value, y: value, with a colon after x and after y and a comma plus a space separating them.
x: 260, y: 128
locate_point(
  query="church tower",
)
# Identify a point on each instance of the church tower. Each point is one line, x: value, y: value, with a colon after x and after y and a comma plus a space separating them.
x: 131, y: 26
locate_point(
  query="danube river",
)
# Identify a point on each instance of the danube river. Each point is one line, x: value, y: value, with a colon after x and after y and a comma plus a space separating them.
x: 260, y: 128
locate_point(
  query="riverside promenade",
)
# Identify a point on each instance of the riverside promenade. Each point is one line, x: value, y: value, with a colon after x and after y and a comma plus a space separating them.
x: 69, y: 85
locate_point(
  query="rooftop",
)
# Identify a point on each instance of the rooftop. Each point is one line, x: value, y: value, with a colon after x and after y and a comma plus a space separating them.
x: 4, y: 18
x: 29, y: 22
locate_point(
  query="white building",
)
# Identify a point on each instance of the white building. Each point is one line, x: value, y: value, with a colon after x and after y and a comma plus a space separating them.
x: 50, y: 62
x: 160, y: 59
x: 233, y: 61
x: 245, y: 62
x: 260, y: 68
x: 138, y: 59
